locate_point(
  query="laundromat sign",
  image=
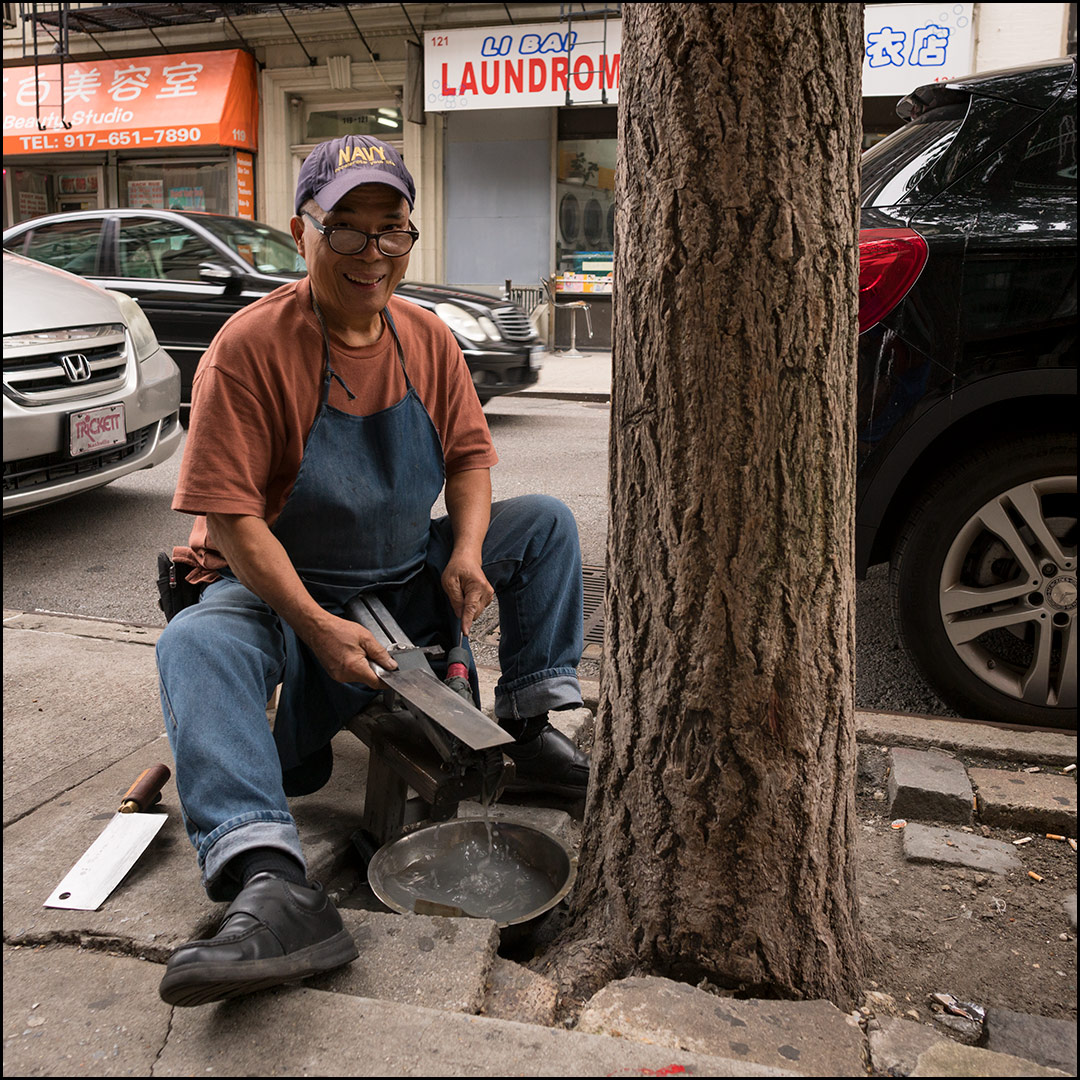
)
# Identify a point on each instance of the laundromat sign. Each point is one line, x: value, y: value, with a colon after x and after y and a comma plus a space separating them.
x: 507, y: 67
x: 140, y: 103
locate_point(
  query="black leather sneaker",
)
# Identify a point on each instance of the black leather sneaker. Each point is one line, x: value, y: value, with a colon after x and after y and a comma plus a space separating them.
x: 274, y: 932
x: 549, y: 764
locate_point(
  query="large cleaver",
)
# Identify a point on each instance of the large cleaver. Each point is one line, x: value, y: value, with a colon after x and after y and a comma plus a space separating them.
x: 90, y: 881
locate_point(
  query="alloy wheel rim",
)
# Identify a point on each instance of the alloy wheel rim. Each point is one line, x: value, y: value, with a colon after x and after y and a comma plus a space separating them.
x: 1007, y: 592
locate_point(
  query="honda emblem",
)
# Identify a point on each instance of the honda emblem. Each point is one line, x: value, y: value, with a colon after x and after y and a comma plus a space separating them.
x: 76, y: 367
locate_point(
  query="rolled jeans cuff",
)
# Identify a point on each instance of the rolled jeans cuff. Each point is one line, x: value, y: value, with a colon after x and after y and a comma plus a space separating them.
x: 557, y: 688
x: 261, y: 830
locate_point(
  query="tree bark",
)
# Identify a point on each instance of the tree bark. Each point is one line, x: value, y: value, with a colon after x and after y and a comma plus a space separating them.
x: 720, y: 832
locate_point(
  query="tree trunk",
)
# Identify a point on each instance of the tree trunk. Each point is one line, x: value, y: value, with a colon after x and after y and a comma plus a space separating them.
x: 720, y: 830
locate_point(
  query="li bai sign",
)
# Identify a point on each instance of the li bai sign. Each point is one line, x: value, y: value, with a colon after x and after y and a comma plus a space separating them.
x: 525, y: 66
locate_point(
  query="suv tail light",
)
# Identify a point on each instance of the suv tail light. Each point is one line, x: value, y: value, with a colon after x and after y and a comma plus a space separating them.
x: 890, y: 261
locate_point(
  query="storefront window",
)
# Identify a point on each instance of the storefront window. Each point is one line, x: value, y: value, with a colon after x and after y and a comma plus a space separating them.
x: 31, y: 193
x: 383, y: 122
x: 183, y: 185
x: 585, y: 204
x: 585, y: 199
x: 49, y: 189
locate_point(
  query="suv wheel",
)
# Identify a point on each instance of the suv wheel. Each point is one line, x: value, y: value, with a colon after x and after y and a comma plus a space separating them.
x: 983, y: 581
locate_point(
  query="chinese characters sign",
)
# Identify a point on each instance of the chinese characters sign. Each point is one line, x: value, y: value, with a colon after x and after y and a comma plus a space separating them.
x: 910, y: 45
x: 141, y: 102
x: 505, y: 67
x: 508, y: 67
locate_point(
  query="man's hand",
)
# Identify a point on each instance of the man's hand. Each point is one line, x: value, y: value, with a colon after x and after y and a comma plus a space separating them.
x: 469, y: 590
x: 347, y: 651
x: 468, y: 505
x: 259, y: 561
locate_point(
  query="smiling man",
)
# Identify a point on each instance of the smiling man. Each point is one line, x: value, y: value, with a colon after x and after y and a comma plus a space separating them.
x: 326, y: 420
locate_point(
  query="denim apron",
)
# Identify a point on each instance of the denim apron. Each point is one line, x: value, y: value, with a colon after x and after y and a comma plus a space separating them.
x: 358, y: 519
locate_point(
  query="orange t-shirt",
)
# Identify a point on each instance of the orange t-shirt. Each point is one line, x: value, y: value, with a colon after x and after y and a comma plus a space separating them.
x: 258, y: 388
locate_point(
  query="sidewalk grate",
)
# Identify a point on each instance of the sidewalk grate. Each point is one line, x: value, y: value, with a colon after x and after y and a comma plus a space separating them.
x: 594, y: 585
x: 594, y: 582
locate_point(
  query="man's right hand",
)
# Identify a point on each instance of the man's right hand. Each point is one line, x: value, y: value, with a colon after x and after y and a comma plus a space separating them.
x: 347, y: 651
x: 257, y: 558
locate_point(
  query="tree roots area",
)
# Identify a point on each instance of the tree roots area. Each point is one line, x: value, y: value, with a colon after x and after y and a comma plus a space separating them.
x: 986, y: 938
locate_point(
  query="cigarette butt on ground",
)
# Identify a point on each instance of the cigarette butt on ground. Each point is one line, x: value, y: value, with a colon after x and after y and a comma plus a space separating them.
x: 1034, y: 876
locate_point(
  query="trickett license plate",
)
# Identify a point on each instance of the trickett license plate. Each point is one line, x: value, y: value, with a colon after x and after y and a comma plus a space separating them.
x: 97, y: 429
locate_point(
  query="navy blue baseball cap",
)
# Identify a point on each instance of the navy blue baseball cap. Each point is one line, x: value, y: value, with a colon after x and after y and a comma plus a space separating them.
x: 334, y: 168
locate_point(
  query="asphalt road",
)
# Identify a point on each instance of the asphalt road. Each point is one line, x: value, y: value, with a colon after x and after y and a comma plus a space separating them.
x: 95, y: 554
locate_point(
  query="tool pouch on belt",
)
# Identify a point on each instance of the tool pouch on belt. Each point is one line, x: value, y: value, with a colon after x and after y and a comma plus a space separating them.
x: 175, y: 592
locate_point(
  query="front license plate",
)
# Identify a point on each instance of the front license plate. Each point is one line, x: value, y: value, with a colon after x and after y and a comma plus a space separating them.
x: 96, y: 429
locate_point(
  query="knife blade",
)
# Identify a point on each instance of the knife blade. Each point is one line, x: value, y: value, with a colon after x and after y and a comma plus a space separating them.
x: 89, y: 883
x: 421, y: 688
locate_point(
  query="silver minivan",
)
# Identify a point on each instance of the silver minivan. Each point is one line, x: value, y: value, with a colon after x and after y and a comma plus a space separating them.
x: 89, y: 394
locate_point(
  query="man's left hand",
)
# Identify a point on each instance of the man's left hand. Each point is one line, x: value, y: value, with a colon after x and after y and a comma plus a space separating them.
x: 469, y: 590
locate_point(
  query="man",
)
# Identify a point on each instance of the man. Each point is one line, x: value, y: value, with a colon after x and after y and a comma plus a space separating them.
x: 325, y: 418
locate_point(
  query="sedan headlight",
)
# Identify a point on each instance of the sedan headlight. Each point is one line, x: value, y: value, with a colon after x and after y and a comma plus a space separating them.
x: 52, y: 337
x: 467, y: 325
x: 142, y: 333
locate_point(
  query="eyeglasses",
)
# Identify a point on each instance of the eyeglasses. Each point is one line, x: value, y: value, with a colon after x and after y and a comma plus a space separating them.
x: 346, y: 240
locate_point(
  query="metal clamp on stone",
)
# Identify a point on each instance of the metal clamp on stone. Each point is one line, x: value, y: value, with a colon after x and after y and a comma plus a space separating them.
x: 426, y: 736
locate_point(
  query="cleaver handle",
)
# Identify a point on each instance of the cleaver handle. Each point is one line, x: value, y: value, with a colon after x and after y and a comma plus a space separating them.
x: 146, y: 790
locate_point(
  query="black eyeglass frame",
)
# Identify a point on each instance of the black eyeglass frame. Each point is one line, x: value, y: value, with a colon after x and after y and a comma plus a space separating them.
x: 329, y: 230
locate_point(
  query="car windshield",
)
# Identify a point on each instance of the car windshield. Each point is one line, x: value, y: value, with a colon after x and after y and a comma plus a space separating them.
x: 268, y: 250
x: 893, y: 168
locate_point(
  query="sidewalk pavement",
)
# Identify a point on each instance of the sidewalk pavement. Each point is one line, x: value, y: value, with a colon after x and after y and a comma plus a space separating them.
x: 583, y: 378
x: 428, y: 996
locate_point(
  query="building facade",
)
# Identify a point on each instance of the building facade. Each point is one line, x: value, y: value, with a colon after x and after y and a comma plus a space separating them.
x: 506, y: 114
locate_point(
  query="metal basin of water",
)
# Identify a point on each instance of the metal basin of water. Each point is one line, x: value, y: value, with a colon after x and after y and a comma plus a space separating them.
x: 536, y: 853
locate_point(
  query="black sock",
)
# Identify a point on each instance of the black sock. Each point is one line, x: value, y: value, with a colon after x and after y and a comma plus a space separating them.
x: 266, y: 860
x: 524, y: 728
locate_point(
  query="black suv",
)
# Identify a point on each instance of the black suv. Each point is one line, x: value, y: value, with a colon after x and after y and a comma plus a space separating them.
x: 967, y: 388
x: 190, y: 271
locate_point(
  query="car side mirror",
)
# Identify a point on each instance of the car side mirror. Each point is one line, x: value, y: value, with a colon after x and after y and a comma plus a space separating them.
x: 216, y: 274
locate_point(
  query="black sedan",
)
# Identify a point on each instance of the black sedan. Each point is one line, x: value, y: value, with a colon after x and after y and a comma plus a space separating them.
x: 967, y: 388
x: 190, y: 271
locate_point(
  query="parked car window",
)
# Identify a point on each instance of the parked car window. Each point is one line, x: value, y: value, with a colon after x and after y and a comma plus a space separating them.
x: 893, y: 169
x: 68, y: 245
x: 151, y: 248
x: 1040, y: 161
x: 265, y: 249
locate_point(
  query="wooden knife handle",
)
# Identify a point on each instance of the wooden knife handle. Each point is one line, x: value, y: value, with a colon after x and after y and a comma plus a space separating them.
x: 146, y: 790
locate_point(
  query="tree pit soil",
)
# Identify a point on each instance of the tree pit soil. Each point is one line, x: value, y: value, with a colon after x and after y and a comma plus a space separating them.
x: 991, y: 939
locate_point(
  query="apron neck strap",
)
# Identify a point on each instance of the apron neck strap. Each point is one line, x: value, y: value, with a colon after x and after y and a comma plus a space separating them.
x: 328, y: 368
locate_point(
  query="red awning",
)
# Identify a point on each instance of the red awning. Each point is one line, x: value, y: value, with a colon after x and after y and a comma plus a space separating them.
x: 143, y: 102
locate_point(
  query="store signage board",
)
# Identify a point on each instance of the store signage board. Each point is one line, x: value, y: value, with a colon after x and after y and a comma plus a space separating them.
x: 245, y: 186
x: 140, y: 103
x: 529, y: 65
x: 522, y: 66
x: 910, y: 45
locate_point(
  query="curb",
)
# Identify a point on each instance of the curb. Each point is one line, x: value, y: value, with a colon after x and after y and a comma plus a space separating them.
x: 562, y: 395
x: 916, y: 731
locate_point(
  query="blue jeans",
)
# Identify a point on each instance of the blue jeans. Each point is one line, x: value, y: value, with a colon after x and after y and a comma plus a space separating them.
x: 219, y: 661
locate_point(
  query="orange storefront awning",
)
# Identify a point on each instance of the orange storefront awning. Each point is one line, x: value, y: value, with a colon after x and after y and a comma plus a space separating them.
x: 140, y: 103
